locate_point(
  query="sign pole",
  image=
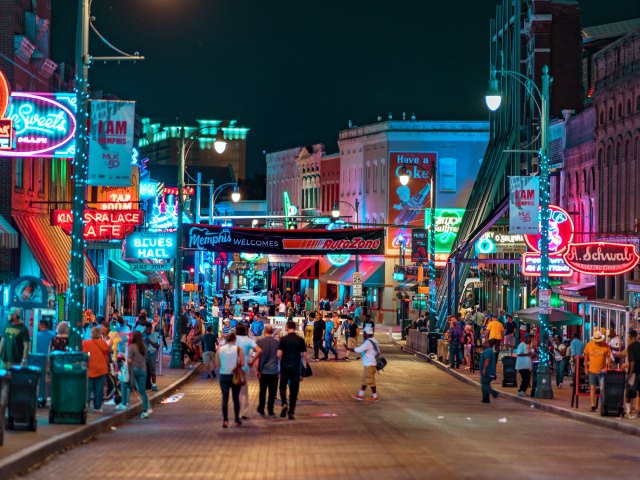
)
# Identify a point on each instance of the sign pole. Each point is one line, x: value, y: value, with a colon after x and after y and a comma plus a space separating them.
x: 177, y: 359
x: 76, y: 265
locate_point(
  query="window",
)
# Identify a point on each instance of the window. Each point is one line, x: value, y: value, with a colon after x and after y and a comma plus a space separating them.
x: 19, y: 177
x: 610, y: 114
x: 32, y: 175
x: 638, y: 103
x: 628, y: 107
x: 42, y: 176
x: 447, y: 176
x: 375, y: 176
x: 368, y: 174
x: 383, y: 174
x: 619, y: 110
x: 601, y: 118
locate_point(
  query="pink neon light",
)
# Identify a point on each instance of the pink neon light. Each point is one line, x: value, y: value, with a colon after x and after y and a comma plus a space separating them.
x: 56, y: 104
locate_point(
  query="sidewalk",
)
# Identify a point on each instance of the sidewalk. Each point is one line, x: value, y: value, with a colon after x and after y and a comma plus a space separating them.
x: 560, y: 404
x: 22, y: 450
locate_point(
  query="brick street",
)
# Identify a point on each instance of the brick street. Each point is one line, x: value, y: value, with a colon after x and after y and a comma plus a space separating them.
x: 426, y: 425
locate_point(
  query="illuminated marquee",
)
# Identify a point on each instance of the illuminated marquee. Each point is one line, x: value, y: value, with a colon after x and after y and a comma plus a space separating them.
x: 44, y: 124
x: 602, y: 258
x: 447, y: 222
x: 101, y: 224
x: 560, y: 232
x: 151, y: 245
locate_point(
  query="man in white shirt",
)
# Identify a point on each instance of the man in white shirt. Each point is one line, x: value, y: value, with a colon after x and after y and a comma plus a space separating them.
x: 369, y: 350
x: 524, y: 354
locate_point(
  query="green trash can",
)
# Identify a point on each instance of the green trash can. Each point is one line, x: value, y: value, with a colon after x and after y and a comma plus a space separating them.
x: 5, y: 378
x: 69, y: 387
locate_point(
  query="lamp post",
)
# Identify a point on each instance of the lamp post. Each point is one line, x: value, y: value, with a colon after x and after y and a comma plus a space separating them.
x: 404, y: 180
x: 177, y: 358
x: 493, y: 99
x: 335, y: 213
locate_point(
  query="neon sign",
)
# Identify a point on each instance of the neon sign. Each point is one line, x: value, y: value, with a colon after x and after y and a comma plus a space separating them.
x: 44, y: 124
x: 4, y: 94
x: 557, y: 266
x: 100, y: 224
x: 6, y: 134
x: 338, y: 259
x: 602, y: 258
x: 151, y: 245
x: 560, y: 232
x: 447, y: 222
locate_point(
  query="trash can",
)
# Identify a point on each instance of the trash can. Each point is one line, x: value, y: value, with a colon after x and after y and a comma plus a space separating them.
x: 5, y: 378
x: 509, y: 377
x: 432, y: 347
x: 41, y: 361
x: 534, y: 377
x: 23, y: 397
x: 612, y: 385
x: 69, y: 387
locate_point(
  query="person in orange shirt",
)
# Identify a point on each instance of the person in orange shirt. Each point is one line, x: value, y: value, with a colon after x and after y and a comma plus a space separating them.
x: 495, y: 332
x: 596, y: 358
x: 98, y: 351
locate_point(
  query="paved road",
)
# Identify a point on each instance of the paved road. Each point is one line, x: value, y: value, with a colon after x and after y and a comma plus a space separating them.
x: 426, y: 425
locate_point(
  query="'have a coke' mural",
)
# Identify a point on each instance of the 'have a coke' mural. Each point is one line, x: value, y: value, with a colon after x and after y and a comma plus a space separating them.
x: 592, y: 258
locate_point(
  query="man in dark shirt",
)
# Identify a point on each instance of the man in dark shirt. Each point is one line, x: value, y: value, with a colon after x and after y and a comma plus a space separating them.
x: 633, y: 371
x: 291, y: 352
x: 15, y: 343
x: 209, y: 341
x: 319, y: 326
x: 487, y: 372
x: 268, y: 370
x: 352, y: 338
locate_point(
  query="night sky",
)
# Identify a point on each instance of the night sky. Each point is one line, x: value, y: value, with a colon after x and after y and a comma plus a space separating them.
x: 296, y: 72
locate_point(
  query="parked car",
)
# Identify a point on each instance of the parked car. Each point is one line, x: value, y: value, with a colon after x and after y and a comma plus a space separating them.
x: 260, y: 298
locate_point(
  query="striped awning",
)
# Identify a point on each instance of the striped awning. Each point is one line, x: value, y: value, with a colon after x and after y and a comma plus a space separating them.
x: 8, y: 234
x: 51, y: 248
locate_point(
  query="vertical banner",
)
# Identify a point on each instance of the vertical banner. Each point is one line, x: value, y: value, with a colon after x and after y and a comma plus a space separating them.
x: 111, y: 143
x: 524, y: 200
x: 407, y: 202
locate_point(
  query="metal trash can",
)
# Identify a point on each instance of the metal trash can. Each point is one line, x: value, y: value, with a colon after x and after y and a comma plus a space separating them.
x: 23, y: 397
x: 432, y: 347
x: 41, y: 361
x: 509, y: 377
x: 5, y: 378
x: 69, y: 387
x: 612, y: 384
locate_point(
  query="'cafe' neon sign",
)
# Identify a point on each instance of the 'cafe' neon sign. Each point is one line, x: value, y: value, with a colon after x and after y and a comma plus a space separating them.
x: 44, y: 124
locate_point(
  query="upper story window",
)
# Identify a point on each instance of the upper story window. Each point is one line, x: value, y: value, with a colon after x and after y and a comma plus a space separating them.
x: 19, y: 177
x: 41, y: 176
x: 447, y: 174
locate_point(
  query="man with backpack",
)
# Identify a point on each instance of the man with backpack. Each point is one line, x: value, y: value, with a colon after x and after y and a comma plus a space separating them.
x: 370, y: 351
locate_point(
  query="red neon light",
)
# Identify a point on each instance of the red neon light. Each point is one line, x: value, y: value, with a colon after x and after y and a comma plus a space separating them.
x: 557, y: 266
x: 5, y: 93
x: 101, y: 224
x: 175, y: 190
x: 602, y: 258
x: 560, y: 233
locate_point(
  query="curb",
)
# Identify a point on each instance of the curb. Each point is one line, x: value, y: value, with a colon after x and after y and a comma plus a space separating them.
x: 605, y: 422
x: 36, y: 454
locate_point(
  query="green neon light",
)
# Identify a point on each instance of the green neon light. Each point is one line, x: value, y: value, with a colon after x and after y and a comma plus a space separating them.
x: 448, y: 221
x: 287, y: 205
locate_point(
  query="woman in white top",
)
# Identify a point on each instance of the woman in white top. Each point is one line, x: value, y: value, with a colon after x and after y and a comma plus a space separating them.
x: 228, y: 357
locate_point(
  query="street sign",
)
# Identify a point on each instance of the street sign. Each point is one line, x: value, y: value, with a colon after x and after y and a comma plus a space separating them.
x: 544, y: 301
x: 149, y: 267
x: 274, y: 224
x: 357, y: 284
x: 358, y: 298
x: 322, y: 221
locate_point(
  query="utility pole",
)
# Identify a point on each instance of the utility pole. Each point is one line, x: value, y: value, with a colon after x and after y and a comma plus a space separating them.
x: 80, y: 161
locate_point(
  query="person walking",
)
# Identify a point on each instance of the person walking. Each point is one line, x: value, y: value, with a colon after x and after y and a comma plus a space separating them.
x: 15, y: 343
x: 267, y: 361
x: 488, y: 371
x: 152, y: 342
x: 576, y: 347
x: 228, y: 358
x: 308, y: 328
x: 44, y: 337
x: 560, y: 360
x: 330, y: 326
x: 455, y: 339
x: 61, y: 341
x: 509, y: 335
x: 369, y: 351
x: 209, y: 342
x: 319, y: 328
x: 292, y: 352
x: 137, y: 361
x: 467, y: 345
x: 495, y: 333
x: 98, y: 351
x: 597, y: 355
x: 524, y: 355
x: 351, y: 333
x: 246, y: 344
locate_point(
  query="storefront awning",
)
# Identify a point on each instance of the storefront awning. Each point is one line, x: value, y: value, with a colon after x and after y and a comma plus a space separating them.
x: 372, y: 274
x: 305, y: 268
x: 120, y: 272
x: 557, y: 317
x: 8, y: 234
x: 575, y: 293
x: 51, y: 248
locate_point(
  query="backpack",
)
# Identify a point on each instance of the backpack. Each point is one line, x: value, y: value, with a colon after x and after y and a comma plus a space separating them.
x: 381, y: 362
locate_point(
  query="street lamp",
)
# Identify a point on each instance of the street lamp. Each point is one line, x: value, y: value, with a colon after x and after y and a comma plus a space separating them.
x: 335, y: 213
x: 493, y: 100
x: 404, y: 177
x: 220, y: 145
x: 235, y: 196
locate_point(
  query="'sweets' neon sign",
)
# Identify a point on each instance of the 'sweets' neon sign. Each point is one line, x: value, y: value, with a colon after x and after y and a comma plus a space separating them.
x: 44, y: 124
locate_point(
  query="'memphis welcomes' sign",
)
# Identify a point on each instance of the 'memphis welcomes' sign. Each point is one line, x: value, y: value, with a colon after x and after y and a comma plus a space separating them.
x: 601, y: 258
x: 360, y: 241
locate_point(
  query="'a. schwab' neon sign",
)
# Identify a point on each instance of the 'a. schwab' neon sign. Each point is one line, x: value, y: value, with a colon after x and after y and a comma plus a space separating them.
x: 44, y: 124
x: 602, y: 258
x: 100, y: 224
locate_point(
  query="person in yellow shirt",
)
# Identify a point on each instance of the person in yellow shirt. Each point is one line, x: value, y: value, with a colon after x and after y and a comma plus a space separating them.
x: 495, y: 332
x: 596, y: 358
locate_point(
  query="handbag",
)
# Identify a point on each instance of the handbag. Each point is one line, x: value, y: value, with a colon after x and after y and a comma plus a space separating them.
x: 381, y: 362
x: 306, y: 371
x: 238, y: 375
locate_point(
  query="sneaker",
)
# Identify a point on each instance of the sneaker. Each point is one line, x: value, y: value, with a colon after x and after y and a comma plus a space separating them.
x: 144, y: 415
x: 632, y: 415
x: 98, y: 410
x: 521, y: 393
x: 561, y: 385
x: 292, y: 416
x: 260, y: 412
x: 285, y: 410
x: 110, y: 402
x: 272, y: 414
x: 324, y: 359
x: 593, y: 409
x: 154, y: 388
x: 315, y: 359
x: 121, y: 406
x: 357, y: 397
x: 372, y: 399
x: 346, y: 358
x: 149, y: 411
